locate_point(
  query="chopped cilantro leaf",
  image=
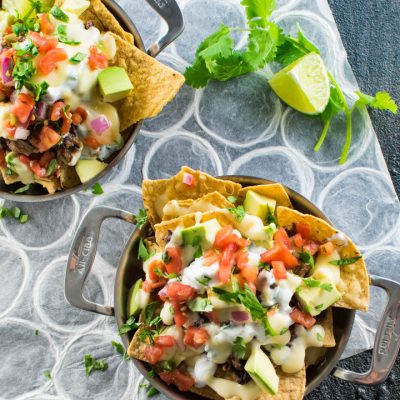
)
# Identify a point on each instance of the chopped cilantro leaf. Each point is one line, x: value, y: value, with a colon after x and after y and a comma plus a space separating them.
x: 381, y: 101
x: 141, y: 218
x: 128, y: 326
x: 62, y: 35
x: 78, y: 57
x: 165, y: 275
x: 306, y: 257
x: 120, y: 349
x: 36, y: 332
x: 147, y: 336
x: 23, y: 218
x: 152, y: 392
x: 204, y: 280
x: 238, y: 212
x: 91, y: 364
x: 310, y: 282
x: 52, y: 167
x: 271, y: 219
x: 166, y: 365
x: 97, y: 189
x: 143, y: 253
x: 14, y: 212
x: 59, y: 14
x: 165, y: 257
x: 25, y: 48
x: 319, y: 306
x: 198, y: 253
x: 151, y: 373
x: 239, y: 348
x: 283, y: 331
x: 47, y: 374
x: 320, y: 337
x: 345, y: 261
x: 264, y: 265
x: 232, y: 199
x: 200, y: 305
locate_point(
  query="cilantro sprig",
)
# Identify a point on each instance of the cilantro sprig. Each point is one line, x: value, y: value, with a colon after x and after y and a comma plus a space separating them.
x: 239, y: 348
x: 141, y: 218
x: 238, y: 212
x: 92, y: 364
x: 345, y: 261
x: 216, y: 58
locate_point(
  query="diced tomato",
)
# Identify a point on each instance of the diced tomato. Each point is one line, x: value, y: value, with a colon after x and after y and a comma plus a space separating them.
x: 281, y: 237
x: 45, y: 25
x: 48, y: 62
x: 37, y: 169
x: 195, y: 337
x: 43, y: 42
x: 146, y: 286
x: 302, y: 318
x: 66, y: 125
x: 156, y: 264
x: 47, y: 138
x: 226, y: 262
x: 242, y: 259
x: 311, y: 246
x: 79, y: 116
x: 179, y: 317
x: 183, y: 381
x: 152, y: 354
x: 188, y: 179
x: 280, y: 253
x: 92, y: 142
x: 222, y: 235
x: 304, y: 229
x: 57, y: 111
x: 279, y: 270
x: 164, y: 341
x: 213, y: 316
x: 250, y: 274
x: 297, y: 240
x: 45, y: 159
x: 23, y: 107
x: 24, y: 159
x: 97, y: 59
x: 327, y: 248
x: 175, y: 263
x: 210, y: 257
x: 180, y: 292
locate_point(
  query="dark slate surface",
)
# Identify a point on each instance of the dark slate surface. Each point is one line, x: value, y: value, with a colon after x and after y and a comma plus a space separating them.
x: 371, y: 35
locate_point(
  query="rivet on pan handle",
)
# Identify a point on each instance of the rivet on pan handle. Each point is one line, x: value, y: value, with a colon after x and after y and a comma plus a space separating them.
x: 387, y: 339
x: 172, y: 15
x: 82, y: 254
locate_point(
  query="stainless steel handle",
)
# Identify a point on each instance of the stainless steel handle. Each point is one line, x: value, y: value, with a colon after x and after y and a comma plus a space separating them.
x: 172, y: 15
x: 82, y: 254
x: 387, y: 339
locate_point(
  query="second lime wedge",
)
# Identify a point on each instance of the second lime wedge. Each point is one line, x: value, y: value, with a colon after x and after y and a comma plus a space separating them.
x: 303, y: 85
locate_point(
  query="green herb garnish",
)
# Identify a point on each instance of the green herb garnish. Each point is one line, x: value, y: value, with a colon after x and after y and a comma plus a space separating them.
x: 77, y: 57
x: 91, y: 364
x: 264, y: 265
x: 204, y: 280
x: 151, y: 373
x: 141, y: 218
x: 271, y: 219
x: 36, y: 332
x: 152, y: 392
x: 62, y: 36
x: 238, y: 212
x: 310, y: 282
x: 166, y: 365
x: 59, y: 14
x: 14, y: 212
x: 52, y: 167
x: 22, y: 189
x: 47, y: 374
x: 345, y: 261
x: 239, y: 348
x: 200, y: 305
x: 232, y: 199
x: 165, y: 257
x: 120, y: 349
x: 198, y: 253
x: 165, y: 275
x: 143, y: 253
x: 97, y: 189
x: 129, y: 325
x: 320, y: 337
x: 307, y: 258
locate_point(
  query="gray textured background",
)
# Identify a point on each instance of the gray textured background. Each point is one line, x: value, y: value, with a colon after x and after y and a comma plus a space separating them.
x: 371, y: 36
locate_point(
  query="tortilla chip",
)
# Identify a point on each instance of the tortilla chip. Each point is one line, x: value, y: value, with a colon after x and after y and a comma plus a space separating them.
x: 157, y: 193
x: 103, y: 20
x: 354, y: 280
x: 206, y: 392
x: 9, y: 179
x: 274, y: 190
x: 137, y: 348
x: 326, y: 321
x: 68, y: 177
x: 162, y: 229
x: 154, y: 84
x: 209, y: 202
x: 51, y: 185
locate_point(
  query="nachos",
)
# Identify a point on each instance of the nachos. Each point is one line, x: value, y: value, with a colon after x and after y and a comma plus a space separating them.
x: 72, y: 81
x: 239, y: 288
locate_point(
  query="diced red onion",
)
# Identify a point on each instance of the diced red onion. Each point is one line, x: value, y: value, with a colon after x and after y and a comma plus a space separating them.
x: 163, y: 292
x: 41, y: 110
x: 21, y: 133
x: 100, y: 124
x: 6, y: 72
x: 240, y: 316
x: 188, y: 179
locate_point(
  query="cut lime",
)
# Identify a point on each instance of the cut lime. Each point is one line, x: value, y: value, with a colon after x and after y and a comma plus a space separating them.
x: 303, y: 85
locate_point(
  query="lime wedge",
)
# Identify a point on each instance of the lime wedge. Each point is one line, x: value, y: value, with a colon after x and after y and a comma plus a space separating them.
x: 303, y: 84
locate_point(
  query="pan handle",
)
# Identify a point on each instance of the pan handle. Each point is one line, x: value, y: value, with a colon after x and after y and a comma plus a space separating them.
x: 387, y: 339
x: 82, y: 254
x: 172, y: 15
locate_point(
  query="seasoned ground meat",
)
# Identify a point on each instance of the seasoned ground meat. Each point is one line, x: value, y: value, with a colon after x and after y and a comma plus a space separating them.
x: 302, y: 269
x: 22, y: 147
x: 68, y: 149
x: 235, y: 368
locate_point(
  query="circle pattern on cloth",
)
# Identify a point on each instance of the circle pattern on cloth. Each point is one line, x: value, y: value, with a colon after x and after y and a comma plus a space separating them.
x: 70, y: 378
x: 370, y: 191
x: 52, y: 306
x: 23, y: 351
x: 239, y: 112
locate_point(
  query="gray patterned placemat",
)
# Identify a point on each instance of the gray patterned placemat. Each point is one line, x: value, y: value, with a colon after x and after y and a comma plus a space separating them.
x: 238, y: 127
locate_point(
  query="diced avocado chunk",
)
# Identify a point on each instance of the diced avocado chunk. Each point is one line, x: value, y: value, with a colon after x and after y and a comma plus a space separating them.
x: 132, y: 305
x: 5, y: 20
x: 258, y: 205
x: 314, y: 300
x: 22, y: 7
x: 261, y: 370
x: 266, y: 236
x: 202, y: 234
x: 76, y: 7
x: 88, y: 169
x: 114, y: 84
x: 22, y: 170
x: 324, y: 271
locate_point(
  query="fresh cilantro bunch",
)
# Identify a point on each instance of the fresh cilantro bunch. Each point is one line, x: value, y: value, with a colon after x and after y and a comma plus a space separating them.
x: 216, y: 58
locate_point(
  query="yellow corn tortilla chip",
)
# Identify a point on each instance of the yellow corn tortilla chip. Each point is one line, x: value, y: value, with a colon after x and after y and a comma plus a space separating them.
x: 154, y: 84
x: 354, y: 280
x: 9, y: 179
x: 209, y: 202
x: 157, y: 193
x: 186, y: 221
x: 52, y: 185
x: 326, y: 321
x: 275, y: 191
x: 103, y: 20
x: 136, y: 347
x: 68, y: 177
